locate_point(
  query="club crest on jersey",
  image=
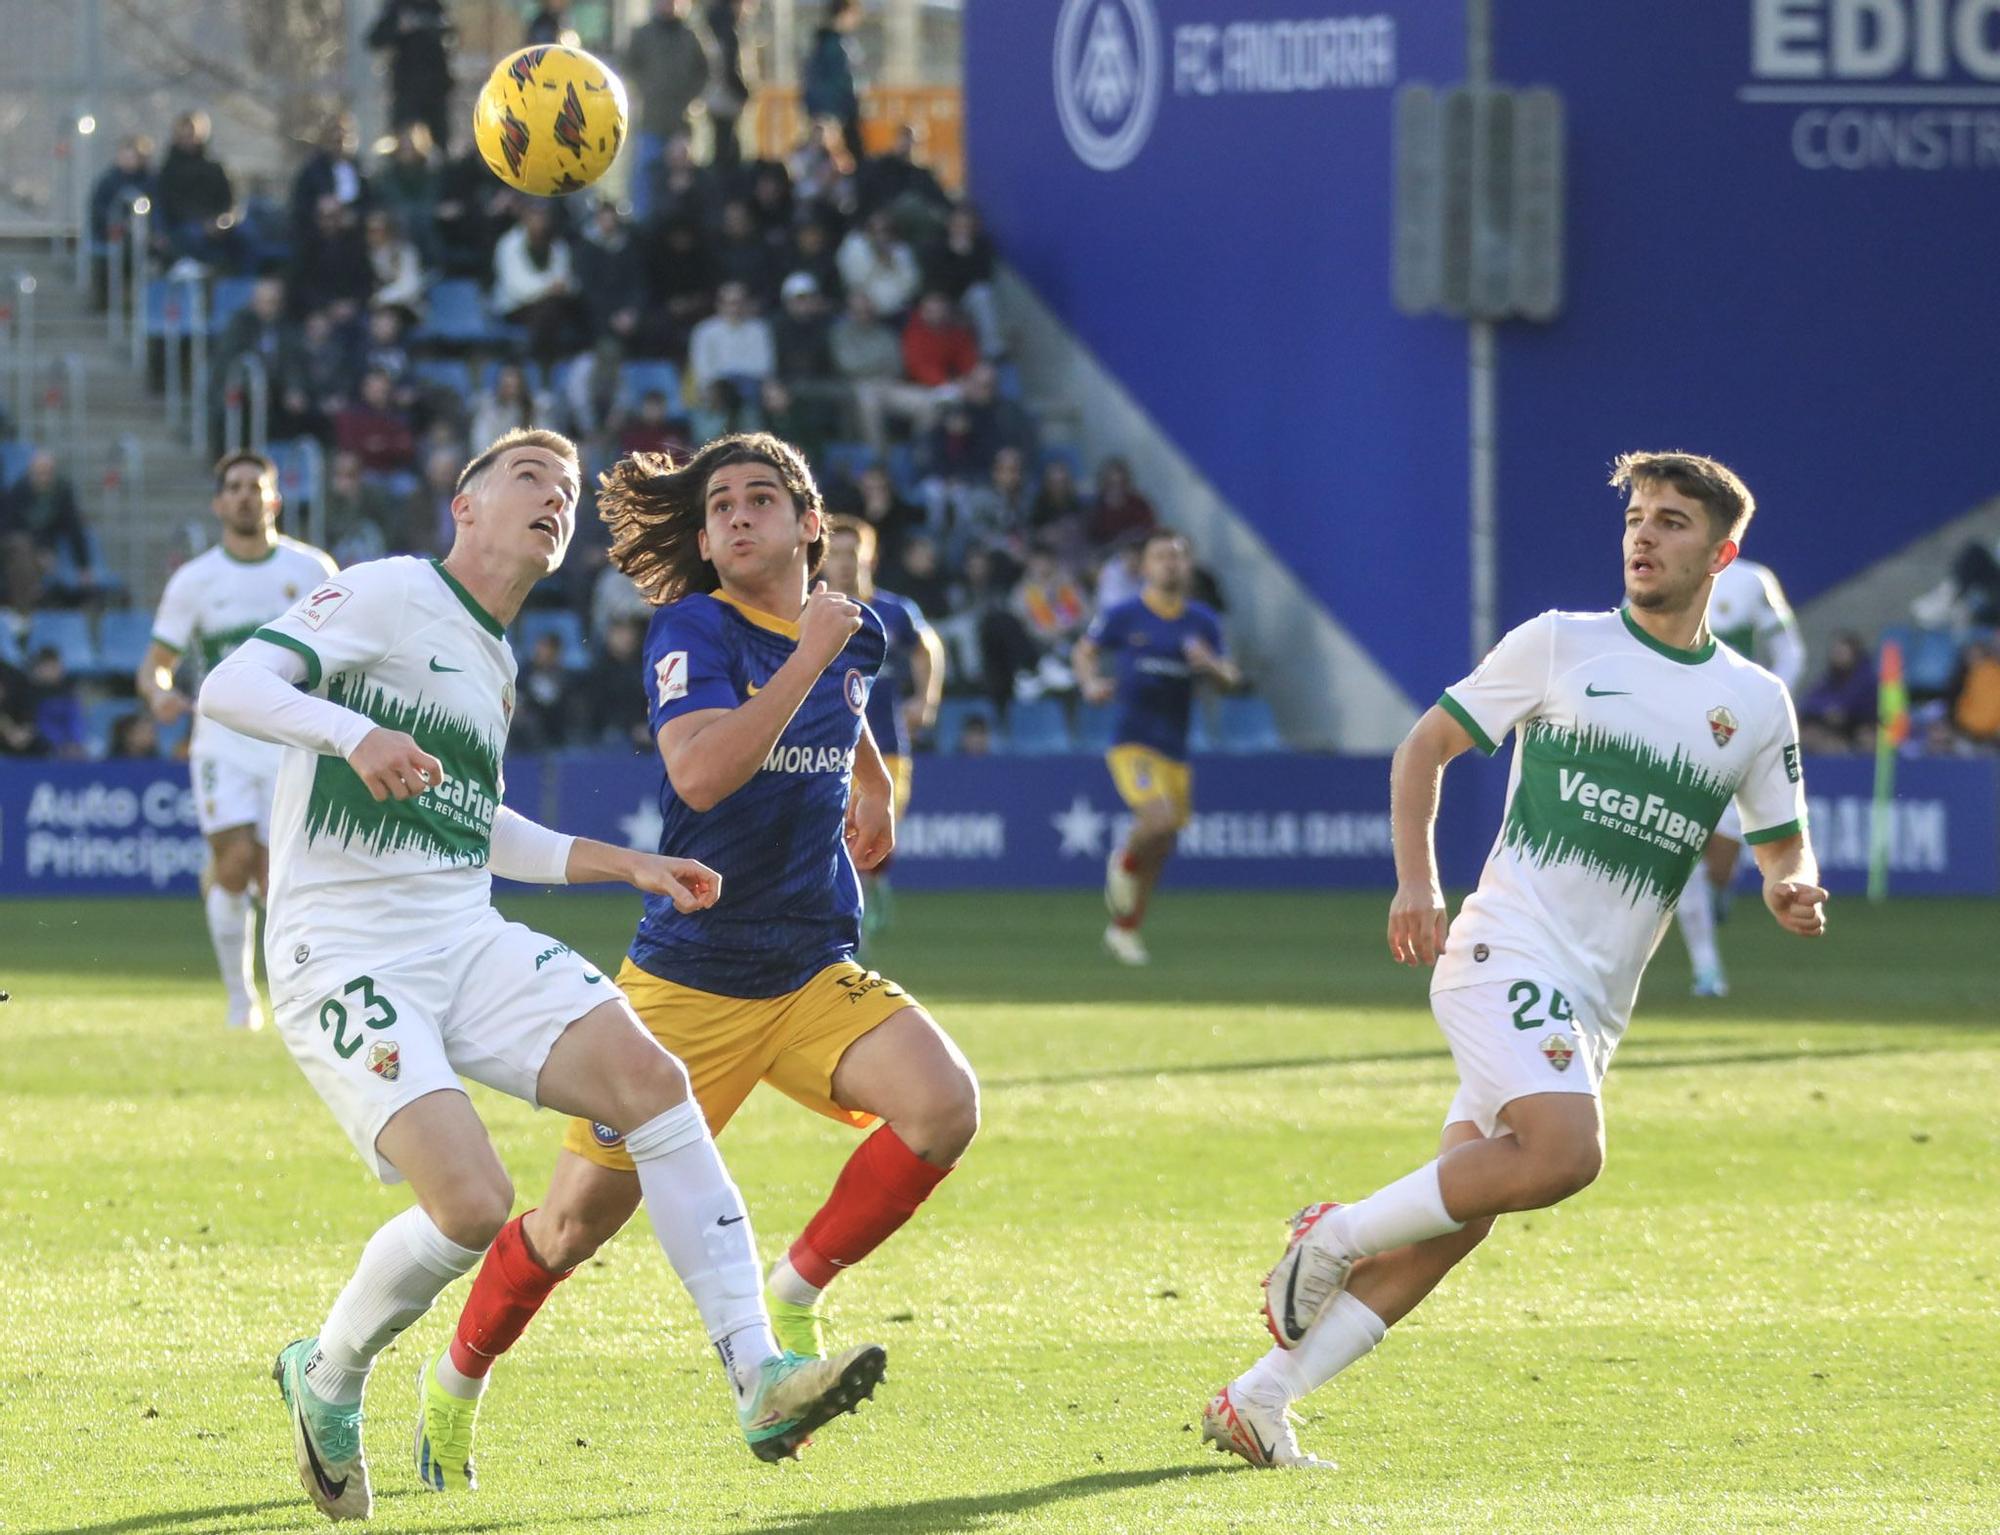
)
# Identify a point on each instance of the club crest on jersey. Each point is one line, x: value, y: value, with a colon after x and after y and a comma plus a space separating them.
x: 385, y: 1060
x: 1721, y: 725
x: 606, y: 1136
x: 507, y: 703
x: 1557, y: 1050
x: 854, y: 687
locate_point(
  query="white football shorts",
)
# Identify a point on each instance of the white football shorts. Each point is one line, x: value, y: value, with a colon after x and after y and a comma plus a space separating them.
x: 230, y: 793
x: 373, y: 1034
x: 1513, y: 1037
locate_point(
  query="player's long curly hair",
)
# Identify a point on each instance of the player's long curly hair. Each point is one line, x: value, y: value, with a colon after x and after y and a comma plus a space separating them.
x: 656, y: 510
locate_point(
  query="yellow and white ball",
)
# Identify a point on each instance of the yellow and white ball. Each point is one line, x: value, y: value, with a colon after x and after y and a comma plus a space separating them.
x: 550, y: 120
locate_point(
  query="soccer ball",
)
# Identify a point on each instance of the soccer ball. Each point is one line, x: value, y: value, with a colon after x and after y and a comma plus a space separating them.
x: 549, y: 120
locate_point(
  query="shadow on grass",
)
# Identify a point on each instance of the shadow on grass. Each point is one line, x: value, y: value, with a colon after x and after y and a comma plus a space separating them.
x: 970, y: 1512
x: 222, y: 1518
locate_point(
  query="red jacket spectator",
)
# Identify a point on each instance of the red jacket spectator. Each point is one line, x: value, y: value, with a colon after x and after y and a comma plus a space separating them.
x: 374, y: 431
x: 1120, y: 510
x: 937, y: 347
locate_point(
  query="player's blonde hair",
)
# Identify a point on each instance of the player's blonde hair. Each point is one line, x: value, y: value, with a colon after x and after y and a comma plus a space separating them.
x: 1721, y: 494
x: 519, y: 437
x: 656, y: 510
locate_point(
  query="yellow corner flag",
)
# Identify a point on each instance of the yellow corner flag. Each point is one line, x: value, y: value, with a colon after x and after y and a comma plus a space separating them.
x: 1892, y: 729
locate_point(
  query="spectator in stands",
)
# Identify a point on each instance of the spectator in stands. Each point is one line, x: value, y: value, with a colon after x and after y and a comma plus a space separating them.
x: 358, y: 515
x: 651, y: 428
x: 396, y: 264
x: 723, y: 409
x: 894, y: 183
x: 733, y: 344
x: 426, y: 523
x: 194, y: 210
x: 261, y: 329
x: 975, y: 737
x: 732, y: 80
x: 814, y: 254
x: 326, y: 375
x: 873, y: 261
x: 743, y: 255
x: 1119, y: 510
x: 507, y: 405
x: 998, y: 421
x: 1053, y: 610
x: 18, y: 736
x: 58, y: 711
x: 869, y: 357
x: 129, y: 175
x: 417, y: 36
x: 955, y: 457
x: 373, y: 430
x: 133, y: 735
x: 918, y: 572
x: 683, y: 282
x: 680, y: 188
x: 383, y: 351
x: 545, y: 706
x: 1838, y: 715
x: 1119, y: 578
x: 534, y: 283
x: 405, y: 183
x: 771, y: 202
x: 960, y: 265
x: 829, y: 72
x: 786, y: 416
x: 610, y: 695
x: 611, y: 272
x: 998, y: 512
x: 1969, y: 593
x: 667, y: 68
x: 893, y: 517
x: 613, y: 596
x: 1974, y: 695
x: 40, y: 521
x: 938, y: 347
x: 801, y: 336
x: 470, y: 208
x: 1058, y: 516
x: 333, y: 170
x: 823, y: 172
x: 549, y: 25
x: 591, y: 390
x: 330, y: 267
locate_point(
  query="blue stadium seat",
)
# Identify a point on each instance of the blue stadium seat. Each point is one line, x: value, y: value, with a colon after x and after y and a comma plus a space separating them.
x: 10, y: 638
x: 293, y: 456
x: 1243, y: 723
x: 641, y: 378
x: 169, y: 308
x: 491, y: 370
x: 1931, y: 660
x: 952, y: 715
x: 230, y: 295
x: 174, y: 736
x: 122, y: 638
x: 14, y: 458
x: 1069, y: 453
x: 845, y: 460
x: 903, y: 466
x: 558, y: 621
x: 1038, y: 727
x: 1007, y: 376
x: 94, y: 578
x: 68, y: 633
x: 448, y: 373
x: 457, y: 316
x: 1093, y: 727
x: 99, y: 717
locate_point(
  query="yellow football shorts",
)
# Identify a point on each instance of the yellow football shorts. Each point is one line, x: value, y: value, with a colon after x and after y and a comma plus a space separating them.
x: 1144, y: 776
x: 900, y: 773
x: 730, y: 1044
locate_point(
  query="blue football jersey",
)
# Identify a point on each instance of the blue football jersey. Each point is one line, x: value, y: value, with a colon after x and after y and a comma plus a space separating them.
x: 903, y: 622
x: 1143, y: 648
x: 791, y: 902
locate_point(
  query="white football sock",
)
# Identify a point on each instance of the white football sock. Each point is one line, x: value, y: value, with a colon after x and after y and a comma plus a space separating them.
x: 229, y: 929
x: 1409, y: 1210
x: 467, y: 1388
x: 702, y: 1227
x: 788, y: 1284
x: 1341, y: 1334
x: 404, y: 1268
x: 1696, y: 912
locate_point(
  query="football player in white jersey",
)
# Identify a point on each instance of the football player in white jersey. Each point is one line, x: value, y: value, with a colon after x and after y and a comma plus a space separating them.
x: 1633, y: 729
x: 391, y: 688
x: 1747, y: 611
x: 210, y: 606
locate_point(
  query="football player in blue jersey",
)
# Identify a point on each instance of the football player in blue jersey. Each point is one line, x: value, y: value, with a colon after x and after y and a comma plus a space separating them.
x: 904, y: 700
x: 1157, y: 645
x: 756, y: 684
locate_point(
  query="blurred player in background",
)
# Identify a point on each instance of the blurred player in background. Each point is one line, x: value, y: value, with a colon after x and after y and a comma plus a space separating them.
x: 1157, y: 646
x: 756, y: 689
x: 1633, y: 730
x: 212, y: 604
x: 1748, y: 613
x: 904, y: 699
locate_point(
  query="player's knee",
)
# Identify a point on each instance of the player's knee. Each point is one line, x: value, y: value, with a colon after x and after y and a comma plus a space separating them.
x: 651, y: 1083
x: 957, y: 1119
x: 572, y: 1237
x: 473, y: 1210
x: 235, y: 866
x: 1568, y: 1167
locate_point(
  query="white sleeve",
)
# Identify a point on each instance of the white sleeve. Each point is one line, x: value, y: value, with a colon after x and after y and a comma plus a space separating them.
x: 347, y: 622
x: 1772, y: 796
x: 256, y: 691
x: 1507, y: 687
x: 1779, y: 631
x: 528, y: 851
x: 174, y: 622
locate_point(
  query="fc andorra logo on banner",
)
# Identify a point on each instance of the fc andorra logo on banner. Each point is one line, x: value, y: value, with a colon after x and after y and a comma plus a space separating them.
x: 1107, y: 78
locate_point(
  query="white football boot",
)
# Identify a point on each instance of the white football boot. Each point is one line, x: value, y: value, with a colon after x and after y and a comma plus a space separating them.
x: 1121, y: 886
x: 1305, y: 1279
x: 1126, y: 946
x: 1262, y: 1435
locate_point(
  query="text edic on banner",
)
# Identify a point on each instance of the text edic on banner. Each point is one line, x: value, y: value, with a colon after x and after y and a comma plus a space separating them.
x: 1276, y: 822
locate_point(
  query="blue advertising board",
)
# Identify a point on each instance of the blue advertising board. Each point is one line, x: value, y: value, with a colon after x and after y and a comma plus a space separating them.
x: 1276, y: 822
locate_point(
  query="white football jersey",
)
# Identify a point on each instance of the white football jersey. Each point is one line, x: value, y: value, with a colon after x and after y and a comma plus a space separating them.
x: 1747, y: 611
x: 214, y: 603
x: 1626, y: 751
x: 400, y: 641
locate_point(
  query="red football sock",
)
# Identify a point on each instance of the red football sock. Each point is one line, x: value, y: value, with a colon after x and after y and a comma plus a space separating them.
x: 879, y: 1189
x: 510, y: 1289
x: 1129, y: 861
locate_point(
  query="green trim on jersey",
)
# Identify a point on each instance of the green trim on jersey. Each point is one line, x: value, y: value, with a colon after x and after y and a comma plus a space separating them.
x: 1615, y: 804
x: 236, y: 559
x: 1774, y: 833
x: 451, y: 823
x: 297, y: 647
x: 486, y: 620
x: 215, y: 646
x: 1458, y: 712
x: 166, y: 644
x: 1693, y: 657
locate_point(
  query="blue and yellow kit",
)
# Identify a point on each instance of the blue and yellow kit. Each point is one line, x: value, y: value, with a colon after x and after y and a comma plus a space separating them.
x: 763, y: 985
x: 903, y: 624
x: 1144, y: 645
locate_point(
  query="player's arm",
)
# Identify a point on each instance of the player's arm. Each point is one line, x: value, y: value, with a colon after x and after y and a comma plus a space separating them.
x: 1791, y: 884
x: 871, y: 805
x: 926, y: 678
x: 1417, y: 918
x: 1091, y: 682
x: 1772, y: 802
x: 711, y: 753
x: 154, y: 683
x: 1210, y: 662
x: 534, y: 854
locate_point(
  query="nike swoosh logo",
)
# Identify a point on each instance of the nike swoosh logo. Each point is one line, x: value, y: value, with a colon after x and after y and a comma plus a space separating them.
x: 1263, y: 1449
x: 1292, y: 1284
x: 752, y: 689
x: 334, y: 1490
x: 1591, y: 692
x: 730, y: 1220
x: 436, y: 668
x: 592, y: 980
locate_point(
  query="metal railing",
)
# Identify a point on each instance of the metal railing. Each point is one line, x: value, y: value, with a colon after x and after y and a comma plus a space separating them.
x: 19, y: 306
x: 312, y: 464
x: 64, y: 415
x: 125, y: 500
x: 124, y: 239
x: 139, y: 240
x: 246, y: 405
x: 183, y: 337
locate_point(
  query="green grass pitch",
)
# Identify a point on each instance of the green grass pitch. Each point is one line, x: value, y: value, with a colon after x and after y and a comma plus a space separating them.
x: 1774, y: 1312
